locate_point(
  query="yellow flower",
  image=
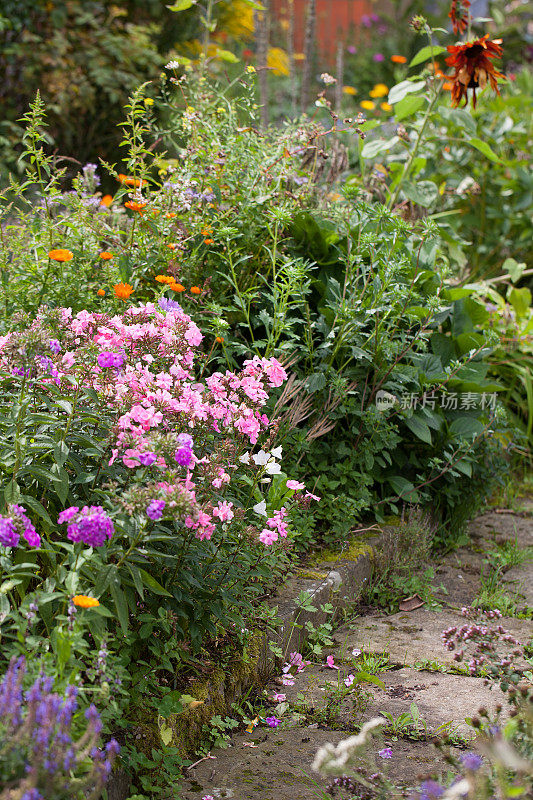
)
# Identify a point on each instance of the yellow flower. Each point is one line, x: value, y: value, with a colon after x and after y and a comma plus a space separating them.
x: 386, y: 106
x: 83, y: 601
x: 278, y: 61
x: 250, y: 68
x: 299, y: 56
x: 379, y: 90
x: 148, y: 101
x: 349, y: 90
x: 368, y: 105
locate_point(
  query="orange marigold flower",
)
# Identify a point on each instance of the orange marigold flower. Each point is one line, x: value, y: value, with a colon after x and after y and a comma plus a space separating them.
x: 170, y: 215
x: 83, y: 601
x: 171, y: 246
x: 127, y: 180
x: 123, y: 290
x: 105, y: 255
x: 100, y: 293
x: 459, y: 15
x: 60, y: 255
x: 176, y: 287
x: 164, y: 278
x: 473, y: 67
x: 106, y: 200
x: 219, y: 339
x: 399, y: 59
x: 135, y: 206
x: 209, y: 241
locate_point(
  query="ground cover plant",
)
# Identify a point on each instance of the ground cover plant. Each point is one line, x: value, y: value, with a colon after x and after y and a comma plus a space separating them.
x: 217, y: 352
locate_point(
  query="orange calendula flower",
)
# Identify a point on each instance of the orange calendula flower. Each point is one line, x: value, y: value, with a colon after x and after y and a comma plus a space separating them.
x: 219, y: 339
x: 170, y: 215
x: 176, y: 287
x: 473, y: 67
x: 196, y: 290
x: 83, y: 601
x: 209, y: 241
x: 164, y: 278
x: 459, y: 15
x: 127, y: 180
x: 61, y: 255
x: 399, y: 59
x: 106, y: 200
x: 100, y: 293
x: 135, y: 206
x: 123, y: 290
x: 105, y: 255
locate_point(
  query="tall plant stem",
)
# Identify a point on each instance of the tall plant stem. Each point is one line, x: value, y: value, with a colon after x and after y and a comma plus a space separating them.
x: 414, y: 151
x: 262, y: 36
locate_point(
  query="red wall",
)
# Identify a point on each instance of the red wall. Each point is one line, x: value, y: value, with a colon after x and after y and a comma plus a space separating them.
x: 335, y: 18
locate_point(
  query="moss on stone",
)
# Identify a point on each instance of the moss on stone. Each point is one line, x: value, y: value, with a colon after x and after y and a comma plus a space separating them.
x: 356, y: 549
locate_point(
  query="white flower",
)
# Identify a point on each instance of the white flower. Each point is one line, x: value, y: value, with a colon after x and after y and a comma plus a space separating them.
x: 245, y: 459
x: 327, y: 78
x: 272, y: 468
x: 261, y: 508
x: 276, y: 452
x: 261, y: 458
x: 173, y: 65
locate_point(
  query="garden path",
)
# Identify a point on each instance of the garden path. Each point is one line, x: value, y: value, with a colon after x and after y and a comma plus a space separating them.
x: 275, y: 764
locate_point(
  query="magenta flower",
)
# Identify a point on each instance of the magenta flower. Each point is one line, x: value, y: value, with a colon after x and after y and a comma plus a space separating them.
x: 272, y: 722
x: 330, y: 662
x: 91, y: 525
x: 385, y: 753
x: 378, y: 57
x: 349, y: 680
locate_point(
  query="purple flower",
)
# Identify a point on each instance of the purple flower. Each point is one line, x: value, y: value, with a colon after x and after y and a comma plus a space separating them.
x: 91, y: 525
x: 366, y: 21
x: 471, y: 761
x: 185, y: 439
x: 55, y: 347
x: 32, y: 794
x: 272, y: 722
x: 183, y: 456
x: 155, y: 509
x: 378, y: 57
x: 431, y: 790
x: 352, y: 49
x: 8, y: 533
x: 385, y: 753
x: 168, y: 305
x: 147, y: 459
x: 108, y: 358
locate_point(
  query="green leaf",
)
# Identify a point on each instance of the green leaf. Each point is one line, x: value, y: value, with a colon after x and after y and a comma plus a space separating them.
x: 513, y: 268
x: 520, y: 300
x: 467, y: 427
x: 182, y: 5
x: 61, y: 452
x: 315, y: 382
x: 419, y: 428
x: 409, y: 105
x: 121, y: 604
x: 226, y: 55
x: 486, y: 149
x: 403, y: 488
x: 399, y: 91
x: 152, y: 584
x: 35, y: 505
x: 423, y: 193
x: 165, y: 732
x: 376, y: 146
x: 426, y: 52
x: 11, y: 492
x: 170, y: 703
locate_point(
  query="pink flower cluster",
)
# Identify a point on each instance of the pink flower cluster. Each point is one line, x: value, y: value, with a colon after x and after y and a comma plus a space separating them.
x: 180, y: 435
x: 484, y: 640
x: 293, y: 666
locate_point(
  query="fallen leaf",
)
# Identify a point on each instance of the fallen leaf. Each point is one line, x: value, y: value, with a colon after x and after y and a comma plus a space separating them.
x: 410, y: 603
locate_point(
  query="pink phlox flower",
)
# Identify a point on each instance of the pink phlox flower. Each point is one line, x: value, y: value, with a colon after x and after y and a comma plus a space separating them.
x: 278, y: 697
x: 224, y: 511
x: 349, y: 680
x: 296, y: 486
x: 330, y: 662
x: 268, y: 537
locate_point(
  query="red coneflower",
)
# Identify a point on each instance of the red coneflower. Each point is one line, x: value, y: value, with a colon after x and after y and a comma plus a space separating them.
x: 459, y: 15
x: 473, y: 67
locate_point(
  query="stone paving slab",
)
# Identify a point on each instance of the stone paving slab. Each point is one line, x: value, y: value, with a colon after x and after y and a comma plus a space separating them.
x: 520, y: 581
x: 493, y: 527
x: 414, y: 637
x: 279, y: 767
